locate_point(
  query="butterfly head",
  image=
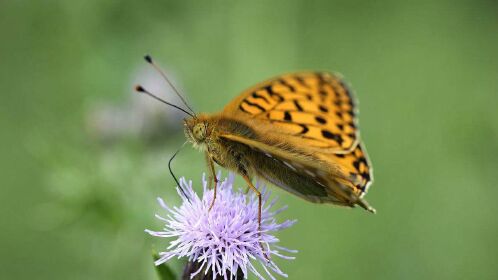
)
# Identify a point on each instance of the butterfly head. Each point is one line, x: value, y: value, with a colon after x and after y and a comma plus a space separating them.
x: 196, y: 131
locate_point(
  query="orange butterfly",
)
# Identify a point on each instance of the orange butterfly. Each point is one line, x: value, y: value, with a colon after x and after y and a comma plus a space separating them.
x: 297, y: 131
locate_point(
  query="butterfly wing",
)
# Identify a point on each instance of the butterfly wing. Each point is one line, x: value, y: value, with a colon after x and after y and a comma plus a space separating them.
x: 307, y: 123
x: 341, y: 179
x: 318, y: 107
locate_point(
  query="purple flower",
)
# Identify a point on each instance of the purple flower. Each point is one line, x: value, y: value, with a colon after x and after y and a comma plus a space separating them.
x: 226, y: 239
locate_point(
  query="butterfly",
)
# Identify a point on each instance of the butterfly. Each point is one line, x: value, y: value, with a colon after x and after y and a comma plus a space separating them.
x: 298, y: 131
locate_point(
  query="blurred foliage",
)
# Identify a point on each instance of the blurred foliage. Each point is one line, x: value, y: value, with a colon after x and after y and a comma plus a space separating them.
x: 163, y: 270
x: 425, y: 73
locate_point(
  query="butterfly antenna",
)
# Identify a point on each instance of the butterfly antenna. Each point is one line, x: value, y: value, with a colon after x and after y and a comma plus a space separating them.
x: 173, y: 175
x: 149, y: 60
x: 141, y: 89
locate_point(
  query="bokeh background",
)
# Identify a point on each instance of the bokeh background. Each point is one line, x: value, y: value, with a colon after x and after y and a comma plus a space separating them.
x: 82, y: 158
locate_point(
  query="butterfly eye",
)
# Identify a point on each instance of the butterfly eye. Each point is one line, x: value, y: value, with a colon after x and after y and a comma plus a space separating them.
x: 199, y: 131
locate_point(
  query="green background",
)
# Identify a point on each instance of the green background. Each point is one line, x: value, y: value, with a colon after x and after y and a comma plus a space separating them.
x: 425, y: 74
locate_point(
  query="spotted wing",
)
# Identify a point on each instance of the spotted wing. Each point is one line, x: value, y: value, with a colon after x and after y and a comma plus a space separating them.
x: 315, y: 107
x: 355, y: 166
x: 340, y: 179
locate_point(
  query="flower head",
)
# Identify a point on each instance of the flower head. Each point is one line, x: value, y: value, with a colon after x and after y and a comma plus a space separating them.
x: 226, y: 239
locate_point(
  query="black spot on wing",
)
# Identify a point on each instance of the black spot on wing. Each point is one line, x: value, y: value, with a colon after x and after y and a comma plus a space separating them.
x: 287, y: 116
x: 320, y: 120
x: 366, y: 176
x: 320, y: 78
x: 289, y: 86
x: 259, y: 96
x: 336, y: 92
x: 273, y: 94
x: 329, y: 135
x: 364, y: 160
x: 356, y: 164
x: 323, y: 109
x: 298, y: 106
x: 301, y: 81
x: 243, y: 109
x: 253, y: 105
x: 304, y: 128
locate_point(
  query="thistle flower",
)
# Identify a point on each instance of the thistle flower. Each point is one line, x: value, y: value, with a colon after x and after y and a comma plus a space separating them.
x: 224, y: 241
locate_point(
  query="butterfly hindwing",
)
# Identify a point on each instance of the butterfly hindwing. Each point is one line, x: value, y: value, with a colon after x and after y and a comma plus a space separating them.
x: 341, y: 179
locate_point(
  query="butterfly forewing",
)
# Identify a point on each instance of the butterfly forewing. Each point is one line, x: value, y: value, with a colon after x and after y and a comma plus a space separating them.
x: 318, y: 107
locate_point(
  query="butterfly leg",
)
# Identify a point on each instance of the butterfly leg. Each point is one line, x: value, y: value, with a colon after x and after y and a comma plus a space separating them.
x: 213, y: 176
x: 258, y: 193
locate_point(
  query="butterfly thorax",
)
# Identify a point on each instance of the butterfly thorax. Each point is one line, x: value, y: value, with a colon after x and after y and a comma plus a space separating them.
x: 205, y: 132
